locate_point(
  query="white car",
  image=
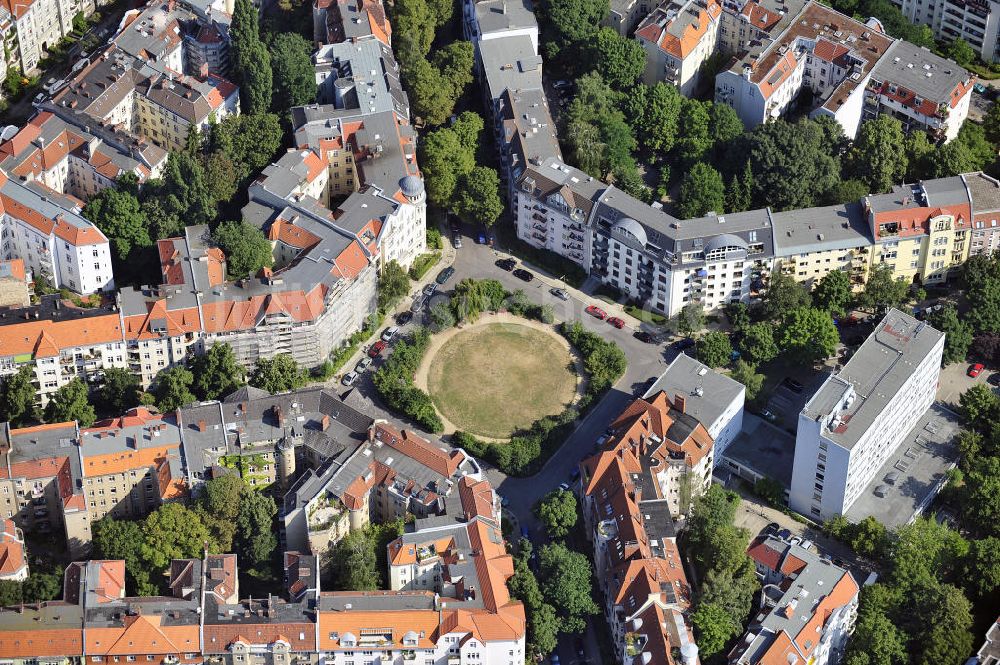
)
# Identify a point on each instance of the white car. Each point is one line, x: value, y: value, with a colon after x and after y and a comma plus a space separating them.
x: 564, y: 487
x: 389, y: 333
x: 363, y: 365
x: 349, y: 378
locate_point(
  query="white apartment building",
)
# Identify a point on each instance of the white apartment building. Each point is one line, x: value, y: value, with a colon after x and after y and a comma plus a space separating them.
x: 678, y: 37
x: 38, y: 26
x: 45, y: 230
x: 977, y: 22
x: 861, y: 415
x: 486, y: 20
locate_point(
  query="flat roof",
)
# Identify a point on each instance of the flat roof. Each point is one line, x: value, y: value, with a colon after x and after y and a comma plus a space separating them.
x: 818, y: 229
x: 764, y: 449
x: 984, y: 191
x: 918, y: 70
x: 500, y: 15
x: 875, y: 373
x: 921, y: 461
x: 510, y: 63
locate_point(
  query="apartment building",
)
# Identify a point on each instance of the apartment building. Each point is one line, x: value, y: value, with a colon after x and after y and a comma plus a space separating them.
x: 627, y: 516
x: 346, y: 21
x: 146, y: 97
x: 392, y: 473
x: 852, y: 70
x: 678, y: 37
x: 984, y: 195
x: 13, y: 561
x: 807, y: 609
x: 31, y: 27
x: 975, y: 22
x: 525, y: 133
x: 860, y: 416
x: 490, y: 20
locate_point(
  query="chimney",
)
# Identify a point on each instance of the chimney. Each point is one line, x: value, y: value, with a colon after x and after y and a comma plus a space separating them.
x: 279, y: 416
x: 325, y: 423
x: 679, y: 402
x: 201, y: 425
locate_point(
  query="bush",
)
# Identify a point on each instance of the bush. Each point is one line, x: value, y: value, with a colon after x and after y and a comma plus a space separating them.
x: 422, y: 264
x: 394, y: 382
x: 434, y: 239
x: 605, y: 361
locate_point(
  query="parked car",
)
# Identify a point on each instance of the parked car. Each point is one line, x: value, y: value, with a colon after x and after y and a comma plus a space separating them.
x: 363, y: 365
x: 562, y: 294
x: 525, y: 533
x: 389, y: 333
x: 507, y: 264
x: 445, y: 275
x: 644, y: 336
x: 554, y: 658
x: 418, y: 304
x: 994, y: 379
x: 504, y: 501
x: 377, y: 349
x: 784, y: 534
x: 564, y: 487
x: 771, y: 529
x: 616, y: 322
x: 349, y: 378
x: 456, y: 240
x: 523, y: 275
x: 976, y: 370
x: 682, y: 344
x: 768, y: 416
x: 430, y: 289
x: 806, y: 544
x: 596, y: 312
x: 404, y: 317
x: 561, y: 84
x: 793, y: 385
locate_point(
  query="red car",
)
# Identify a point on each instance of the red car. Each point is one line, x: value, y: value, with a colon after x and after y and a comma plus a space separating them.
x: 975, y: 370
x: 594, y: 310
x: 616, y: 322
x: 377, y: 349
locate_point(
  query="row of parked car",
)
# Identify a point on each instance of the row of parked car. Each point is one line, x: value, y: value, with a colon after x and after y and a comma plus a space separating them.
x: 374, y: 352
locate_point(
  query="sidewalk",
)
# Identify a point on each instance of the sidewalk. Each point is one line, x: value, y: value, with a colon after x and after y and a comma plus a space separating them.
x: 448, y: 254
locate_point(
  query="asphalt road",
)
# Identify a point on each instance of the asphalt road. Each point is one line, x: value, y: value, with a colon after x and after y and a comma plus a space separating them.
x: 645, y: 362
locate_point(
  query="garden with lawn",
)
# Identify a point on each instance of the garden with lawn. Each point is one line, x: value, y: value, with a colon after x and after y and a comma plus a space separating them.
x: 494, y: 379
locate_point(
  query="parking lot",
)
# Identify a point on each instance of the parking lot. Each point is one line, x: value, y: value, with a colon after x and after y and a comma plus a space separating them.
x: 955, y: 380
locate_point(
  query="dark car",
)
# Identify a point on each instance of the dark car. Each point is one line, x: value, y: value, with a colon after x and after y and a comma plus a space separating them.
x: 525, y: 533
x: 403, y: 318
x: 994, y: 379
x: 445, y: 275
x: 505, y: 264
x: 682, y: 344
x: 784, y: 534
x: 771, y: 529
x: 644, y: 336
x: 523, y: 275
x: 793, y: 385
x: 578, y: 645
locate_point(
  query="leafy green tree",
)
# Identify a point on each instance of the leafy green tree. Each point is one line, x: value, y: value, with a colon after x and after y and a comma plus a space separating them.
x: 119, y: 391
x: 250, y: 141
x: 690, y: 319
x: 277, y: 374
x: 979, y: 403
x: 983, y: 576
x: 576, y: 21
x: 222, y: 178
x: 713, y: 627
x: 783, y: 295
x: 833, y: 293
x: 17, y: 396
x: 791, y: 163
x: 71, y: 402
x: 738, y: 197
x: 557, y: 511
x: 620, y: 61
x: 656, y: 116
x: 712, y: 511
x: 173, y: 531
x: 353, y: 563
x: 919, y: 152
x: 255, y: 531
x: 246, y: 248
x: 118, y: 215
x: 121, y: 540
x: 924, y: 553
x: 982, y: 495
x: 947, y: 636
x: 695, y: 126
x: 430, y: 98
x: 961, y: 52
x: 878, y: 156
x: 447, y: 154
x: 747, y: 374
x: 869, y: 538
x: 809, y: 334
x: 455, y: 62
x: 413, y: 24
x: 478, y: 197
x: 882, y: 291
x: 10, y: 593
x: 951, y: 159
x: 216, y: 372
x: 724, y: 124
x: 958, y: 334
x: 393, y: 284
x: 731, y: 588
x: 714, y: 349
x: 566, y: 582
x: 41, y: 587
x: 173, y: 389
x: 757, y: 343
x: 847, y: 191
x: 701, y: 191
x: 738, y: 315
x: 251, y: 60
x: 876, y: 640
x: 991, y: 124
x: 184, y: 192
x: 294, y: 82
x: 441, y: 317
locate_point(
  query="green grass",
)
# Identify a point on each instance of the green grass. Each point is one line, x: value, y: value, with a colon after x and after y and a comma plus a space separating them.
x: 495, y: 379
x: 422, y: 264
x: 645, y: 315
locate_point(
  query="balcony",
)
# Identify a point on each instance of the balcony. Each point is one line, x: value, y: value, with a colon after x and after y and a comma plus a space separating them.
x: 539, y: 237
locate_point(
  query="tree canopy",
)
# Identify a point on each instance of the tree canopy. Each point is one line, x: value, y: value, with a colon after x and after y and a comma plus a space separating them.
x: 566, y: 584
x: 277, y: 374
x: 714, y: 349
x: 246, y: 248
x: 216, y: 372
x: 294, y: 81
x: 557, y: 511
x: 71, y: 402
x: 809, y: 334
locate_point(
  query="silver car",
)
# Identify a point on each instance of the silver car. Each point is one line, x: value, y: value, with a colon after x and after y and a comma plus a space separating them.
x: 349, y: 378
x: 363, y: 365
